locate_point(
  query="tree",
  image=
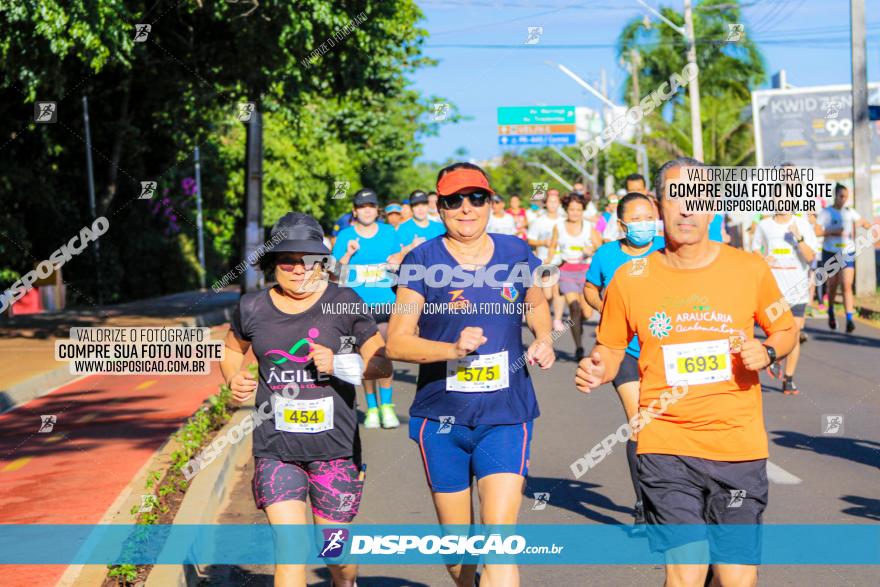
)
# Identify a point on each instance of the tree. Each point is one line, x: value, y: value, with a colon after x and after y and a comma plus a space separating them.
x: 728, y: 71
x: 330, y: 77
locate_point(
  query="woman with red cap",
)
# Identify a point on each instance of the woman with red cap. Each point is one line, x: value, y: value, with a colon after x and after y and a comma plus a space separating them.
x: 474, y: 406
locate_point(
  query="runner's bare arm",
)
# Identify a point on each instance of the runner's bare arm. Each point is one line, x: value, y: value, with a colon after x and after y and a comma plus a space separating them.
x: 598, y: 368
x: 596, y: 239
x: 755, y: 357
x: 553, y: 242
x: 540, y: 323
x: 591, y: 294
x: 538, y: 312
x: 376, y: 365
x: 242, y: 382
x: 612, y: 359
x: 404, y: 344
x: 234, y: 356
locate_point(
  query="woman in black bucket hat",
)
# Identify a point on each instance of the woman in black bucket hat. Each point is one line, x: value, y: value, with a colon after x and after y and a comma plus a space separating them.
x: 313, y: 345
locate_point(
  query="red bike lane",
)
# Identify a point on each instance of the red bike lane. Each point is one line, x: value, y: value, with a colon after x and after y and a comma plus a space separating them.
x: 106, y: 429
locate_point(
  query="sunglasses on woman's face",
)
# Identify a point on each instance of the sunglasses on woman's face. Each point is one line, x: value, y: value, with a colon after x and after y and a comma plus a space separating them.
x: 454, y: 202
x: 288, y: 264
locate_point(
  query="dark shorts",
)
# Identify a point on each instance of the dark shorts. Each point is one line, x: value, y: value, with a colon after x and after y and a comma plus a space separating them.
x: 628, y: 372
x: 798, y: 310
x: 332, y: 486
x: 701, y: 493
x: 845, y: 261
x: 454, y: 453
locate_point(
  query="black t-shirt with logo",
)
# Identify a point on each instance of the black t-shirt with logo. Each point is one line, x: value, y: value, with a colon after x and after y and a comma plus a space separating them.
x: 281, y: 343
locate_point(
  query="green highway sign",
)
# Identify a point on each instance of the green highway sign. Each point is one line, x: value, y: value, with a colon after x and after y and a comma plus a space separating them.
x: 536, y: 115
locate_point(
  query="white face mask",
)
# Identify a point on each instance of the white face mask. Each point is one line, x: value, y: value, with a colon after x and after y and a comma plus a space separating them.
x: 349, y: 367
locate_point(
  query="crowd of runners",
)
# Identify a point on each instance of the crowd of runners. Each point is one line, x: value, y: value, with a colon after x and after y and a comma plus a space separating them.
x: 676, y: 303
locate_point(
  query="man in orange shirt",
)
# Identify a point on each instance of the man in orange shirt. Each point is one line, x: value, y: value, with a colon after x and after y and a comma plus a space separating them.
x: 703, y: 455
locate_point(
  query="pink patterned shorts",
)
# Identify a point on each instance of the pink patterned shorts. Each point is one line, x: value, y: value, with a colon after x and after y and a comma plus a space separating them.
x: 333, y: 486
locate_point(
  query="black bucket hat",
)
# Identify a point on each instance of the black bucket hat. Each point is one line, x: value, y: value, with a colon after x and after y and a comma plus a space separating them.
x: 296, y: 232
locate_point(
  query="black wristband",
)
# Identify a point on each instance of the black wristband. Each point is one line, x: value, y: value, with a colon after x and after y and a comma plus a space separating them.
x: 771, y: 352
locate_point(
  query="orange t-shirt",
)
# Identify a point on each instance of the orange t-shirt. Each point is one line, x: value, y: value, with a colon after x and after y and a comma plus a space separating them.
x: 689, y: 323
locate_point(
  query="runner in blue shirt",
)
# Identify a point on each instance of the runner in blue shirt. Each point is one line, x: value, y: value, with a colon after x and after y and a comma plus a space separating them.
x: 474, y: 405
x: 638, y: 223
x: 364, y: 250
x: 341, y: 224
x: 420, y: 227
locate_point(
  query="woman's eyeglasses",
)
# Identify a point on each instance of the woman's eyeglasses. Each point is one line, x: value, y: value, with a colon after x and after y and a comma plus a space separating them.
x: 288, y: 264
x: 455, y: 201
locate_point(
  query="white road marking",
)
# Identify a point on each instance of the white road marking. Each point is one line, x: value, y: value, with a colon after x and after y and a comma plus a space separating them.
x: 780, y: 476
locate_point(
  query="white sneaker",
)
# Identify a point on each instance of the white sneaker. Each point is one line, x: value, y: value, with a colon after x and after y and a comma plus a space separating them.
x: 371, y: 418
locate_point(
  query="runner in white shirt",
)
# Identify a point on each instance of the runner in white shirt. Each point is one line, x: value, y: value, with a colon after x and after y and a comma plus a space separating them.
x: 577, y: 241
x: 612, y: 232
x: 591, y: 211
x: 539, y: 236
x: 789, y: 245
x: 500, y: 222
x: 837, y: 226
x: 433, y: 214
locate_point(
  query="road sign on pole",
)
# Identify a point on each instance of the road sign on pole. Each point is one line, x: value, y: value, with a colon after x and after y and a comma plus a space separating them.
x: 537, y: 140
x: 536, y: 115
x: 536, y: 125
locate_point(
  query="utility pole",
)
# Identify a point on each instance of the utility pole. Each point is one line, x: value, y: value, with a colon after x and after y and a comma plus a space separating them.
x: 635, y: 63
x: 866, y: 277
x: 199, y: 225
x: 253, y: 233
x: 551, y: 173
x: 92, y: 208
x: 609, y: 180
x: 694, y: 85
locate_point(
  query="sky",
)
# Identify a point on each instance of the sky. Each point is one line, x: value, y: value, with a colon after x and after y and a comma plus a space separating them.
x: 809, y: 39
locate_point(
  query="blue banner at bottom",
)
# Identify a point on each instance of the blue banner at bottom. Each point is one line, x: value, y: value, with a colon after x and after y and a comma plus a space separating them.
x: 366, y: 544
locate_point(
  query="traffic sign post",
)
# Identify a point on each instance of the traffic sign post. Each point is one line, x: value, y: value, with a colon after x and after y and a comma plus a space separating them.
x: 536, y: 139
x: 536, y: 125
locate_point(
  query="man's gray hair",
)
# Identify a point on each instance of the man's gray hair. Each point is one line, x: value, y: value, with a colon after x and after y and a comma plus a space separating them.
x: 660, y: 178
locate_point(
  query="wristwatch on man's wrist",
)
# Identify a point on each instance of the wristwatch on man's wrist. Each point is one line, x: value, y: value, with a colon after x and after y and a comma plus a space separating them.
x: 771, y: 352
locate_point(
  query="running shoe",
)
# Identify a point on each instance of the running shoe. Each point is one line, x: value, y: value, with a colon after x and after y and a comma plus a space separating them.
x: 639, y: 514
x: 832, y: 321
x: 389, y: 418
x: 775, y: 371
x: 579, y: 354
x: 638, y: 519
x: 371, y: 419
x: 804, y: 337
x: 789, y: 387
x: 558, y: 326
x: 850, y: 326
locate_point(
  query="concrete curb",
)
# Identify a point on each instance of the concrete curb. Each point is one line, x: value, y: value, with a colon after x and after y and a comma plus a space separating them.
x: 35, y: 387
x: 203, y: 501
x: 43, y: 383
x: 119, y: 512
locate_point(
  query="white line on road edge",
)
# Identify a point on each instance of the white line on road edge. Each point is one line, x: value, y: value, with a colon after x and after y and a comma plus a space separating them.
x: 780, y: 476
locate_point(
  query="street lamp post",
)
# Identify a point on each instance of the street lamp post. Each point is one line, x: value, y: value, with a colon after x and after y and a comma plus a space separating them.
x: 694, y: 85
x: 551, y: 173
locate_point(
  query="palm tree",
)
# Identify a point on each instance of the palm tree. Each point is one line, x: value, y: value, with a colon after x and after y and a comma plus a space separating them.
x: 728, y: 72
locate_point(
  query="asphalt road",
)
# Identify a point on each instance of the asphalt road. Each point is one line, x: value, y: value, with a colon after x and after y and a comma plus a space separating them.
x: 815, y: 478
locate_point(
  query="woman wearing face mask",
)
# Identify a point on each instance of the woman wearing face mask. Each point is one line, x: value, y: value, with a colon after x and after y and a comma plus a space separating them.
x: 637, y: 222
x: 577, y: 239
